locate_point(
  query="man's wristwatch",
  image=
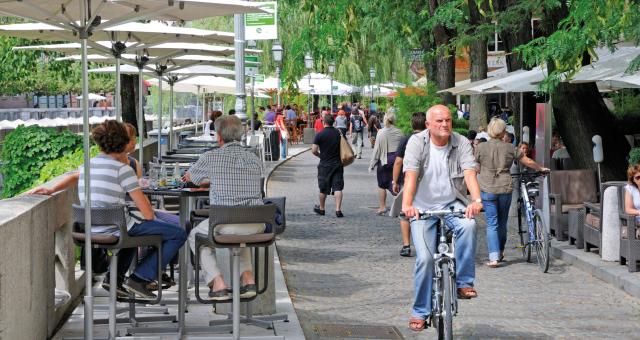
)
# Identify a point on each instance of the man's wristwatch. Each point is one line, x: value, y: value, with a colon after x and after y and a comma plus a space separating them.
x: 478, y: 200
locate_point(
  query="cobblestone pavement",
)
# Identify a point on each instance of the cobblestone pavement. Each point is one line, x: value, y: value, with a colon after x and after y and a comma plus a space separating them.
x: 348, y: 271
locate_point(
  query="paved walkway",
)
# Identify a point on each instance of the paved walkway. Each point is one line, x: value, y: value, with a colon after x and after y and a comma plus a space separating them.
x: 348, y: 272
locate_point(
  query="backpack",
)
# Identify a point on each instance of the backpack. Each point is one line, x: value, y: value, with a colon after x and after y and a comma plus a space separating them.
x: 357, y: 123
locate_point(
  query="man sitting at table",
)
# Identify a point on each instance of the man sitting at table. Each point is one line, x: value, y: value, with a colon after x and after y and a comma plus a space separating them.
x: 234, y: 173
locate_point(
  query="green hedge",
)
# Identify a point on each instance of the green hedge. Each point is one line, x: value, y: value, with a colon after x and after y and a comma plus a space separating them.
x: 69, y: 162
x: 26, y: 150
x: 413, y: 99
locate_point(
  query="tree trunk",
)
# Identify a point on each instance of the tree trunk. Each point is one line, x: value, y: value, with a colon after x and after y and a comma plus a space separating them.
x: 478, y: 58
x: 580, y: 113
x: 445, y: 60
x: 513, y: 38
x: 129, y: 93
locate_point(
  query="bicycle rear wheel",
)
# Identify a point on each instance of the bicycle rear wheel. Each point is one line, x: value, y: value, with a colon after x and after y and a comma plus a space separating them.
x: 447, y: 301
x: 542, y: 242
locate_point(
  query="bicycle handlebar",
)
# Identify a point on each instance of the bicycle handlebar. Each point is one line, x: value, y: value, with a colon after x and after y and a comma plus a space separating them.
x: 530, y: 174
x: 424, y: 214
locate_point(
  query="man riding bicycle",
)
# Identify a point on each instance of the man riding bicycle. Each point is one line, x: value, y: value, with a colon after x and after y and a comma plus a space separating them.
x: 439, y: 166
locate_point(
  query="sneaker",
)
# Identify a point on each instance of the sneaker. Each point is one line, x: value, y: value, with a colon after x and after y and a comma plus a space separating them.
x: 339, y: 214
x: 138, y: 288
x: 220, y: 295
x: 248, y: 291
x: 317, y: 210
x: 405, y: 251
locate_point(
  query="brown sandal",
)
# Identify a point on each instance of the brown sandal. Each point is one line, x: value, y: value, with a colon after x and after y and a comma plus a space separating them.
x: 416, y: 324
x: 467, y: 293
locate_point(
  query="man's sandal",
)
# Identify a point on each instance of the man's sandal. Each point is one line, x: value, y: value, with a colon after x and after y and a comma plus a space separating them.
x: 416, y: 324
x: 467, y: 293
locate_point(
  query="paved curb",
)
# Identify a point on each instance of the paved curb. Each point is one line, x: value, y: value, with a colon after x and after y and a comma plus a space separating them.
x: 290, y: 330
x: 610, y: 272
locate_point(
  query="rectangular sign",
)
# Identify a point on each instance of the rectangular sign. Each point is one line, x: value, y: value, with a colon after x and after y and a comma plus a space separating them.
x: 262, y: 26
x: 250, y: 67
x: 259, y: 78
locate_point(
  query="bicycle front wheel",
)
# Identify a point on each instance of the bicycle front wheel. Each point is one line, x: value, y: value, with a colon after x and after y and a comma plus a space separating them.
x: 447, y: 309
x: 542, y: 242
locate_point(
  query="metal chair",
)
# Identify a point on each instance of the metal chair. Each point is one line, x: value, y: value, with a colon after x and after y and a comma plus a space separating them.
x: 220, y: 215
x: 115, y: 216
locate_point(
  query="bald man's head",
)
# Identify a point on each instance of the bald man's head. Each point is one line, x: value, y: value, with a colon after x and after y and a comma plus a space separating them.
x: 439, y: 123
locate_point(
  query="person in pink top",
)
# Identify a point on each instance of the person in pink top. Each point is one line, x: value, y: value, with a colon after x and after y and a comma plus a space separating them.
x: 282, y: 133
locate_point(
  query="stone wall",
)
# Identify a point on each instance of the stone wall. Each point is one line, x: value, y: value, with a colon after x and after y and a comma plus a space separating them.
x: 37, y: 256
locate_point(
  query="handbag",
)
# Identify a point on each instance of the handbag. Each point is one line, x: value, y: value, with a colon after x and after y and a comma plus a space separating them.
x: 346, y: 152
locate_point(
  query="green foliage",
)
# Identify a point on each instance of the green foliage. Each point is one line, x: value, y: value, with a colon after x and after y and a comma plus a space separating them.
x: 462, y: 131
x: 634, y: 156
x: 69, y: 162
x: 460, y: 123
x: 413, y: 99
x: 26, y: 150
x: 626, y: 103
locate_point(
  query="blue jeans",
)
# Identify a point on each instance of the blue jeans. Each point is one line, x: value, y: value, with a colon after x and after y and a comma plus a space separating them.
x: 496, y: 211
x: 423, y: 234
x: 283, y: 148
x: 172, y: 239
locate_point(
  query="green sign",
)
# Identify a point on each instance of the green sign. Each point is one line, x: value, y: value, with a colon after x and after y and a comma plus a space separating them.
x: 335, y: 87
x: 260, y: 78
x: 251, y: 67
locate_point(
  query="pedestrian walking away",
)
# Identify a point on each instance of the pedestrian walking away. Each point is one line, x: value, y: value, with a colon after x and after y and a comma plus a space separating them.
x: 495, y: 158
x: 439, y: 167
x: 356, y: 131
x: 326, y: 146
x: 384, y: 155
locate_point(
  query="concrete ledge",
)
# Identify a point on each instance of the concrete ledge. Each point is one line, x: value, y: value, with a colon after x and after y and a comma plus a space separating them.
x: 610, y: 272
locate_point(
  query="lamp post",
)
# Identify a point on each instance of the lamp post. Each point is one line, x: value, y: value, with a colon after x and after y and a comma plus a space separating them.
x: 252, y: 44
x: 332, y: 69
x: 276, y: 50
x: 308, y: 63
x: 372, y: 74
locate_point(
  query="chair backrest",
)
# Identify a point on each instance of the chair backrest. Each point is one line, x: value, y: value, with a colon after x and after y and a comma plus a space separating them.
x: 102, y: 216
x: 225, y: 214
x: 574, y: 186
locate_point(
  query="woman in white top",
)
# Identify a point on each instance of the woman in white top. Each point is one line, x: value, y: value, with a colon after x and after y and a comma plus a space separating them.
x: 632, y: 194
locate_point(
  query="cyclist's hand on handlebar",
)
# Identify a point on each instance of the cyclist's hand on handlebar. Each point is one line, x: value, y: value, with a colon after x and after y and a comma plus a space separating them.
x: 545, y: 170
x: 409, y: 211
x: 473, y: 209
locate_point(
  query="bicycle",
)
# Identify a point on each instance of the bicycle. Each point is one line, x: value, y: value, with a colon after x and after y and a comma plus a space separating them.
x: 538, y: 237
x: 443, y: 292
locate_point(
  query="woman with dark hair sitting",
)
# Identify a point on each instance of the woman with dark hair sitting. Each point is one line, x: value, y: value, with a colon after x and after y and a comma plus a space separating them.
x: 632, y: 196
x: 111, y: 180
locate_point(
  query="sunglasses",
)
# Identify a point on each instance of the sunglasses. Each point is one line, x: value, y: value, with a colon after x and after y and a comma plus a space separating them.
x: 636, y: 177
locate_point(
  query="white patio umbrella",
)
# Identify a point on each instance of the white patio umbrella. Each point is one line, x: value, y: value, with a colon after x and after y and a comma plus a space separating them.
x: 378, y: 91
x: 320, y: 84
x: 85, y: 17
x: 93, y: 96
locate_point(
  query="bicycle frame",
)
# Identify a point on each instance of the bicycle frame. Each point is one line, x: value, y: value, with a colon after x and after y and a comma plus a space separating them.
x: 528, y: 208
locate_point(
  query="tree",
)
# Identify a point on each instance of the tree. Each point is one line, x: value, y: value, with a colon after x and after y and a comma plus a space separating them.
x: 578, y: 28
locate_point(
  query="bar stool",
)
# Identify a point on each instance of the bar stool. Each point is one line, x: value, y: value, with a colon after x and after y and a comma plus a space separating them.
x: 238, y: 215
x: 115, y: 216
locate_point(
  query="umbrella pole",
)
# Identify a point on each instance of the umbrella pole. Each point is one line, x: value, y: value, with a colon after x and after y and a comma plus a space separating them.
x: 118, y: 86
x: 141, y: 121
x: 197, y: 105
x: 241, y: 105
x: 88, y: 298
x: 159, y: 114
x: 170, y: 115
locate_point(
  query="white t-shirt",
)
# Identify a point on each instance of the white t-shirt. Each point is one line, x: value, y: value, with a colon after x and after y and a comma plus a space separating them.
x: 635, y: 198
x: 435, y: 190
